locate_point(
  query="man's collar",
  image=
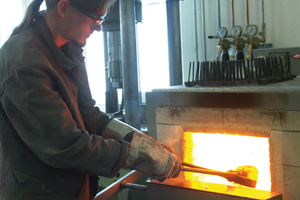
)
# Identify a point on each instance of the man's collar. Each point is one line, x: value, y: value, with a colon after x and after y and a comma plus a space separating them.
x: 64, y: 58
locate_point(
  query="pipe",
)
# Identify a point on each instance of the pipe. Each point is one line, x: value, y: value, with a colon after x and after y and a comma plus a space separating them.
x: 203, y: 29
x: 247, y: 9
x: 116, y: 187
x: 219, y: 13
x: 195, y: 32
x: 111, y: 96
x: 263, y: 26
x: 232, y: 9
x: 133, y: 186
x: 114, y: 61
x: 174, y: 42
x: 129, y: 63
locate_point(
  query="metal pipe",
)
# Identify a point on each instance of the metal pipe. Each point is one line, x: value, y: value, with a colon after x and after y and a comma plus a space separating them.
x: 133, y: 186
x: 232, y: 9
x: 196, y: 30
x: 219, y: 14
x: 174, y: 42
x: 129, y: 63
x: 116, y: 187
x: 111, y: 98
x: 263, y: 26
x: 114, y: 59
x: 247, y: 10
x: 203, y: 29
x: 107, y: 82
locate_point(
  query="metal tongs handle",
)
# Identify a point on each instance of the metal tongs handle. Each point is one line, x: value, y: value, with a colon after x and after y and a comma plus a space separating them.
x: 191, y: 165
x: 203, y: 170
x: 231, y: 175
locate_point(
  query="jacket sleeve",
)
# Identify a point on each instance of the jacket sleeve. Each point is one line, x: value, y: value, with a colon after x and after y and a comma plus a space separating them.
x: 44, y: 115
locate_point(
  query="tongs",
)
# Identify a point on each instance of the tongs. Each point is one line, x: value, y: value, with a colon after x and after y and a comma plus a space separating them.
x: 241, y: 175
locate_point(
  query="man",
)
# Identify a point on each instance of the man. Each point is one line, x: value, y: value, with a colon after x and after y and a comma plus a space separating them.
x: 54, y: 142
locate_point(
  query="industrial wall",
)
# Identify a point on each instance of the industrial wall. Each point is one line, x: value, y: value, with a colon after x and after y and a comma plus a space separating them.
x: 281, y: 19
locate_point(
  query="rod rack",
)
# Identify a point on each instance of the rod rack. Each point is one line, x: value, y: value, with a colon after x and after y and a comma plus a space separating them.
x: 259, y: 70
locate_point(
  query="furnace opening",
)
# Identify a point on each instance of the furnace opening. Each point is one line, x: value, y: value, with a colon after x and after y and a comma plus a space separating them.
x: 225, y: 152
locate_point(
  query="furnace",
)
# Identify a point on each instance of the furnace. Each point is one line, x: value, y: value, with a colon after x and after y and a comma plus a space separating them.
x: 268, y: 111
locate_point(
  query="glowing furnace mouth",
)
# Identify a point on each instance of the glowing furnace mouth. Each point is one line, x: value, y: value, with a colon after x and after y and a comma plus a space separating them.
x: 224, y: 152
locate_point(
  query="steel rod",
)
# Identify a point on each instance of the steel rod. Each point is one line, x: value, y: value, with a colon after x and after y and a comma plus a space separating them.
x: 203, y: 29
x: 219, y: 14
x: 263, y: 19
x: 196, y: 30
x: 125, y: 185
x: 174, y: 42
x: 232, y: 9
x: 116, y: 187
x: 247, y: 10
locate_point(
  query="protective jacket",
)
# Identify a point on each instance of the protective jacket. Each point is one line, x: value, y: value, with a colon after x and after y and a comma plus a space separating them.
x: 49, y: 128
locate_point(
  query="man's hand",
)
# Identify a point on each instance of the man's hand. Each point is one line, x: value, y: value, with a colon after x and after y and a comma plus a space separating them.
x: 149, y: 156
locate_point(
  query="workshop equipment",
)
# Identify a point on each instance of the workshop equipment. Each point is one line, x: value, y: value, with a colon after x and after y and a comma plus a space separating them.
x: 258, y: 70
x: 264, y: 111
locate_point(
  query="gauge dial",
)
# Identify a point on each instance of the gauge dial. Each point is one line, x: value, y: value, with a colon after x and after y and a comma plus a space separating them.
x: 252, y: 29
x: 236, y: 31
x: 222, y: 32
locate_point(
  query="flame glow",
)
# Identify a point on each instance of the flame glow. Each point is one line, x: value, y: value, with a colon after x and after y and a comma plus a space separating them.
x: 225, y: 152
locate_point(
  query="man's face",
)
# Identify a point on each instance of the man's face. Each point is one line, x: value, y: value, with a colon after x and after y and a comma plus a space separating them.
x: 78, y: 26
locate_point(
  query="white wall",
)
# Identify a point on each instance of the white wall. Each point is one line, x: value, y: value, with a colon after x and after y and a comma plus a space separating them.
x: 11, y: 14
x: 281, y: 18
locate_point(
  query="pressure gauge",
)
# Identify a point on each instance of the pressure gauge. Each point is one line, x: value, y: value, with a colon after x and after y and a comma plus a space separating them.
x: 252, y: 29
x: 236, y: 31
x: 222, y: 32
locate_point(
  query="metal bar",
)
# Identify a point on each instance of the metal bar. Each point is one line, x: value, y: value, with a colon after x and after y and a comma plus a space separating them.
x: 195, y: 32
x: 125, y: 185
x: 247, y: 10
x: 115, y: 188
x: 189, y: 72
x: 129, y: 63
x: 203, y: 29
x: 174, y: 42
x: 219, y: 14
x: 263, y: 19
x: 232, y: 9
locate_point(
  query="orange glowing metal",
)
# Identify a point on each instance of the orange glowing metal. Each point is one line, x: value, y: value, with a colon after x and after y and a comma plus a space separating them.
x: 223, y: 152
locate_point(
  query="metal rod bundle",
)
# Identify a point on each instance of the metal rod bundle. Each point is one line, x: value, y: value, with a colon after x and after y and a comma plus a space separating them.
x: 258, y: 70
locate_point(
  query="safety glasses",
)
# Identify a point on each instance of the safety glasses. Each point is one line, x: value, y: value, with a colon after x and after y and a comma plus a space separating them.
x: 98, y: 20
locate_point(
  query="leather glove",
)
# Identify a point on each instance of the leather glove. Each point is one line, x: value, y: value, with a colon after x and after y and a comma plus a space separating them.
x: 116, y: 129
x: 169, y: 148
x: 147, y: 155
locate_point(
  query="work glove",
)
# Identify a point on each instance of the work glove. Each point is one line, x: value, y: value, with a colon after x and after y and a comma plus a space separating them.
x: 145, y: 154
x: 149, y: 156
x: 116, y: 129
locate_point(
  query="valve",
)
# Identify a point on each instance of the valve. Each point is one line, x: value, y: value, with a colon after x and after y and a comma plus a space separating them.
x: 254, y: 42
x: 224, y: 46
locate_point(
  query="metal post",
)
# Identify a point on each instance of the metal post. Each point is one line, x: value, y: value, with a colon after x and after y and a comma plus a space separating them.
x: 203, y: 29
x: 110, y: 27
x: 174, y: 42
x: 263, y: 19
x: 219, y: 14
x: 129, y: 63
x: 196, y: 30
x: 111, y: 99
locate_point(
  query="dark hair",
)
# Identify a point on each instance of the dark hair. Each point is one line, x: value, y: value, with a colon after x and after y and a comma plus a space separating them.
x: 33, y: 9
